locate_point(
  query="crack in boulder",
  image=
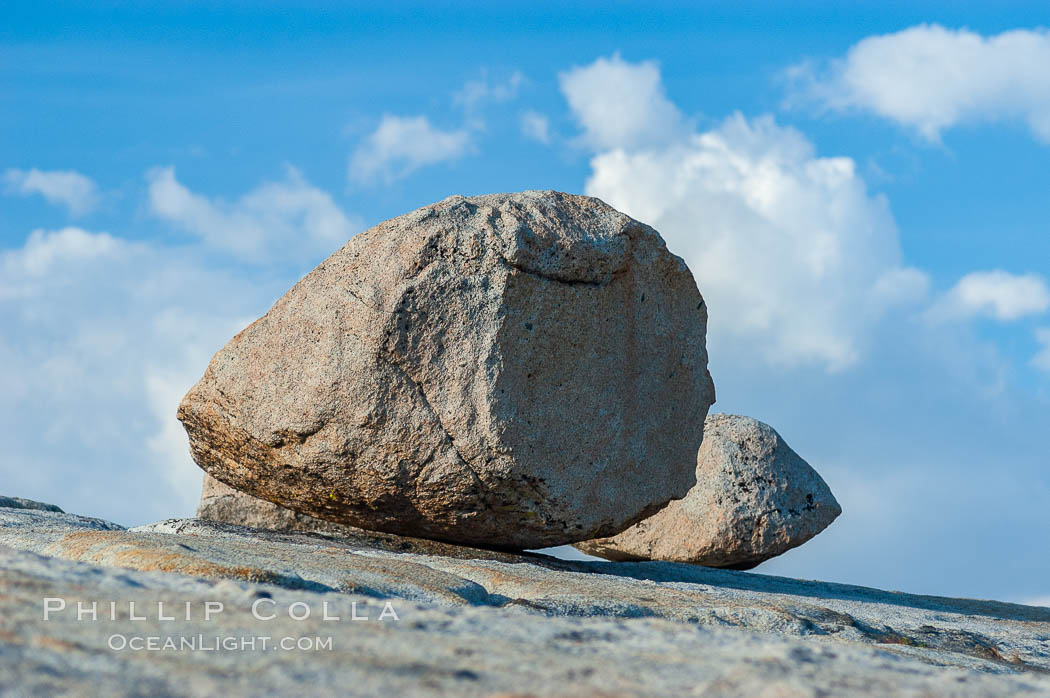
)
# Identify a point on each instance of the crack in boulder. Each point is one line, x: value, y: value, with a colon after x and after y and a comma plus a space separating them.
x: 392, y: 361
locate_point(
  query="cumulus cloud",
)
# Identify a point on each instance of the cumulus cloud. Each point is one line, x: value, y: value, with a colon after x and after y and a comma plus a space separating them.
x: 620, y: 104
x: 400, y: 145
x: 71, y: 189
x: 796, y: 258
x: 277, y: 221
x: 42, y: 251
x: 102, y: 337
x: 996, y: 294
x: 536, y: 126
x: 931, y: 78
x: 801, y: 265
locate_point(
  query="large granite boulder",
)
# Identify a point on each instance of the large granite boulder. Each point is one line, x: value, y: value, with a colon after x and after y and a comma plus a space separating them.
x: 512, y: 370
x: 754, y: 499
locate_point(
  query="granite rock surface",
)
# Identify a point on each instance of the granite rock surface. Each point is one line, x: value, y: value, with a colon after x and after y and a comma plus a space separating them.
x: 474, y: 622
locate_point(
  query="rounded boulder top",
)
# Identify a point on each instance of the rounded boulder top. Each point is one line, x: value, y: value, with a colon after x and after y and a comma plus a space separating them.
x: 510, y: 370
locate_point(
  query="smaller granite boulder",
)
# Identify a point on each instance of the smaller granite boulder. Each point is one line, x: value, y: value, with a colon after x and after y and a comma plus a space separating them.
x: 754, y: 499
x: 222, y: 503
x: 20, y: 503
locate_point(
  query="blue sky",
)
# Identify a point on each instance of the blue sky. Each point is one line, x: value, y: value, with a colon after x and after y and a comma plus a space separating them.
x: 861, y: 192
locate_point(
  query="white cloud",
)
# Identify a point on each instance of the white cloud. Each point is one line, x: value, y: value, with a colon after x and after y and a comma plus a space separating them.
x: 996, y: 294
x: 475, y: 93
x: 620, y: 104
x: 102, y: 338
x: 275, y: 222
x: 536, y: 126
x: 71, y: 189
x: 400, y: 145
x: 42, y: 251
x: 930, y: 78
x: 1041, y: 360
x: 901, y: 286
x: 796, y: 259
